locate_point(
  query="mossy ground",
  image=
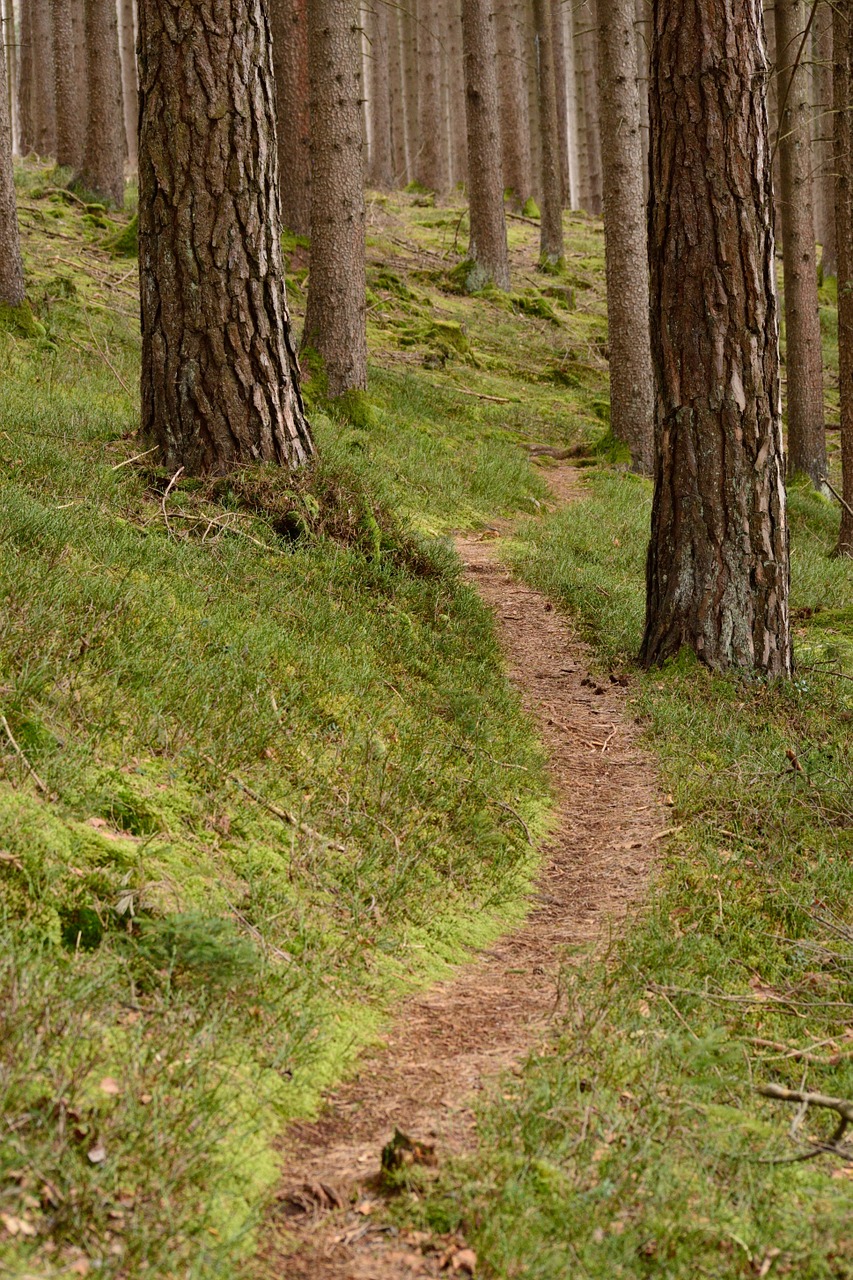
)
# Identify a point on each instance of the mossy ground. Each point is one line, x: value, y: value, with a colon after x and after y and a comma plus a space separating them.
x: 183, y: 969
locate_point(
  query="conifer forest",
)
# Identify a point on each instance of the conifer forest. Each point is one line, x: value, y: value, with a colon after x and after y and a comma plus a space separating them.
x: 426, y: 639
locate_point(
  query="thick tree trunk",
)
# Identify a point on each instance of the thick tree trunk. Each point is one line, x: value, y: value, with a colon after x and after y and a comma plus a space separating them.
x: 551, y: 247
x: 289, y: 22
x: 335, y: 323
x: 842, y: 85
x: 128, y: 80
x: 69, y: 131
x: 381, y: 166
x: 515, y: 126
x: 10, y: 39
x: 803, y: 361
x: 219, y: 373
x: 626, y: 257
x: 718, y: 558
x: 103, y: 161
x: 11, y: 266
x: 431, y: 166
x: 488, y: 246
x: 826, y: 170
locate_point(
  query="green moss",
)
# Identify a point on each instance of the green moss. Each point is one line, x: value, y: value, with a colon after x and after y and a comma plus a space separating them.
x: 21, y: 321
x: 531, y: 208
x: 124, y: 243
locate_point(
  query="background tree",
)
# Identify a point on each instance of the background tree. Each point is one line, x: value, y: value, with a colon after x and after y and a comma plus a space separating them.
x: 289, y: 20
x: 718, y: 557
x: 381, y: 171
x: 431, y: 159
x: 102, y: 171
x: 626, y: 259
x: 803, y: 359
x: 11, y: 68
x: 335, y: 320
x: 487, y: 245
x: 824, y: 134
x: 842, y: 84
x: 219, y: 373
x: 127, y: 45
x: 69, y: 130
x: 11, y: 265
x: 551, y: 247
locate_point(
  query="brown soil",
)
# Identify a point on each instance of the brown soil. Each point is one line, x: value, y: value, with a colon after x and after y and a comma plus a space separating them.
x: 447, y: 1045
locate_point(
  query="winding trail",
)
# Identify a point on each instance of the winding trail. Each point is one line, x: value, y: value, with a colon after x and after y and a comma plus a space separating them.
x: 451, y: 1042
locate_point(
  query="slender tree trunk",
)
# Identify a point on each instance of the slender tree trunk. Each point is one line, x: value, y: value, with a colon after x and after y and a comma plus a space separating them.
x: 531, y: 58
x: 335, y: 323
x: 11, y: 50
x: 826, y: 174
x: 81, y: 71
x: 103, y: 161
x: 551, y: 248
x: 842, y: 82
x: 431, y: 168
x: 588, y: 21
x: 128, y: 79
x: 27, y: 124
x: 562, y: 100
x: 584, y: 185
x: 44, y: 100
x: 11, y: 266
x: 289, y: 21
x: 219, y: 374
x: 398, y: 99
x: 411, y: 84
x: 381, y: 163
x: 626, y: 256
x: 572, y: 103
x: 718, y: 558
x: 457, y: 121
x: 515, y: 126
x: 641, y: 28
x: 488, y: 246
x: 803, y: 362
x: 69, y: 132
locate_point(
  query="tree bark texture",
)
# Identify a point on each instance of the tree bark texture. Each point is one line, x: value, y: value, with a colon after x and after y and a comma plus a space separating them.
x: 81, y: 70
x: 409, y: 25
x: 803, y: 360
x: 572, y: 101
x: 11, y: 266
x: 718, y: 557
x: 36, y: 101
x: 219, y: 372
x: 397, y: 91
x: 587, y: 21
x: 842, y: 87
x: 551, y: 249
x: 626, y: 255
x: 10, y: 38
x: 488, y: 243
x: 515, y: 126
x: 431, y: 166
x: 130, y: 94
x: 641, y: 31
x: 103, y: 161
x: 335, y: 323
x: 825, y: 150
x: 289, y: 21
x: 27, y: 125
x: 457, y: 127
x: 381, y: 172
x: 69, y: 126
x: 562, y: 99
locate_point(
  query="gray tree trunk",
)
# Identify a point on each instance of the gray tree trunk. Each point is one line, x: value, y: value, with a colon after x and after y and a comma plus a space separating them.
x: 128, y: 79
x: 488, y: 245
x: 842, y: 85
x: 11, y: 266
x: 398, y: 99
x: 551, y: 249
x: 381, y: 164
x: 718, y: 558
x: 219, y: 374
x: 10, y: 38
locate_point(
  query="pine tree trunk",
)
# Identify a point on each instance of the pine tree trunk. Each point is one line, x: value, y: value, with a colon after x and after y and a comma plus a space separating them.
x: 398, y: 99
x: 515, y: 126
x: 626, y: 257
x: 457, y: 123
x: 718, y: 558
x: 381, y: 165
x: 562, y: 101
x: 10, y: 37
x: 551, y: 248
x: 572, y: 106
x: 431, y: 167
x: 488, y: 245
x: 219, y: 373
x: 103, y: 161
x: 531, y: 63
x: 81, y: 70
x: 826, y: 171
x: 11, y: 266
x: 335, y: 323
x: 587, y: 20
x: 69, y: 132
x: 289, y: 22
x: 803, y: 361
x: 641, y: 29
x: 44, y: 102
x: 128, y: 80
x: 842, y: 87
x: 411, y: 84
x: 584, y: 186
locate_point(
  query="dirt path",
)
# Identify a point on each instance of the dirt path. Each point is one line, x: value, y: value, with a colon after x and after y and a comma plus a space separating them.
x: 449, y: 1043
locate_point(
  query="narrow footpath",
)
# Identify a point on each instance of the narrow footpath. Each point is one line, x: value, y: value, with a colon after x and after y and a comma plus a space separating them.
x: 450, y: 1043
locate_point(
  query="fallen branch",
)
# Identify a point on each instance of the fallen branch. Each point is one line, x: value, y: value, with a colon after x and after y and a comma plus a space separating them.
x: 24, y: 761
x: 284, y: 814
x: 118, y: 466
x: 840, y: 1106
x: 804, y: 1055
x: 169, y: 487
x: 837, y: 496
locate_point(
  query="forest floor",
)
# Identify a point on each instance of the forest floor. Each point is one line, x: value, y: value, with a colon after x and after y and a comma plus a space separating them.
x: 266, y: 782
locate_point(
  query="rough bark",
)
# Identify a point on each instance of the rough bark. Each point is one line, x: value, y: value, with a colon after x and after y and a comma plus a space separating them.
x: 641, y: 29
x: 219, y: 374
x: 102, y: 171
x: 44, y: 104
x: 488, y: 245
x: 381, y: 172
x: 128, y: 79
x: 531, y: 58
x: 842, y: 86
x: 562, y: 100
x: 69, y: 130
x: 335, y: 323
x: 515, y: 126
x: 81, y: 69
x: 824, y: 127
x: 583, y: 180
x: 626, y: 257
x: 587, y: 20
x: 11, y: 266
x: 718, y: 557
x: 803, y: 362
x: 431, y: 163
x: 398, y: 99
x: 551, y: 248
x: 572, y: 103
x: 409, y: 23
x: 11, y: 50
x: 289, y: 22
x: 455, y: 104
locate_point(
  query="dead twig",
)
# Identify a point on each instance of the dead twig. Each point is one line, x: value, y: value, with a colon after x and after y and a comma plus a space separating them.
x: 284, y: 814
x: 840, y: 1106
x: 169, y: 487
x: 837, y: 496
x: 804, y: 1055
x: 19, y: 753
x: 118, y: 466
